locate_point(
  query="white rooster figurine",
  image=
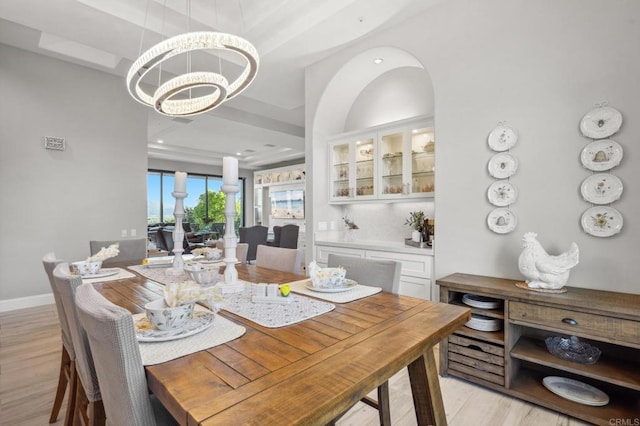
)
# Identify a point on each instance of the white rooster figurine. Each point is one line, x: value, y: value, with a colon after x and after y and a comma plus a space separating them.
x: 543, y: 270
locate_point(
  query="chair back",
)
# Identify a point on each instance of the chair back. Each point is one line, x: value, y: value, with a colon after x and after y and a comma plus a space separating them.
x: 276, y: 236
x: 241, y: 252
x: 376, y: 273
x: 50, y: 262
x: 254, y: 236
x: 111, y: 334
x: 66, y: 285
x: 219, y: 228
x: 167, y: 235
x: 289, y: 236
x: 161, y: 244
x: 278, y: 258
x: 133, y: 249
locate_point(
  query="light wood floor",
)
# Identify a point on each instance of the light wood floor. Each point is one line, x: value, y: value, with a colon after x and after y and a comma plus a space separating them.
x: 30, y: 349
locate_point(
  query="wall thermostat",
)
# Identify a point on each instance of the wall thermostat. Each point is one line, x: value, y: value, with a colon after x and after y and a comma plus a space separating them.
x: 54, y: 143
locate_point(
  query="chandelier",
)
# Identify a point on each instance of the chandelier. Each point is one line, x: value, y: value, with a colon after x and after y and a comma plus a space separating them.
x: 176, y: 96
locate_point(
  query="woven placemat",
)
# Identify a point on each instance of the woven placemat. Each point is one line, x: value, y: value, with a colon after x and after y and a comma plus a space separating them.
x: 122, y: 274
x: 355, y: 293
x: 541, y: 290
x: 222, y: 331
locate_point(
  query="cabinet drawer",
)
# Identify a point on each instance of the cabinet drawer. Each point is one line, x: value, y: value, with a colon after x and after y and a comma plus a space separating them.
x: 613, y: 329
x: 415, y: 287
x: 414, y: 265
x: 322, y: 253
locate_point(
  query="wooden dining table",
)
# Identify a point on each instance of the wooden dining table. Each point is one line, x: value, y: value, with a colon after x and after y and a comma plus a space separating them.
x: 306, y: 373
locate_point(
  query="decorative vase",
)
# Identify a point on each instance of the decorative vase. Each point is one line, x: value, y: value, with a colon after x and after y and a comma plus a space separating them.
x: 416, y: 236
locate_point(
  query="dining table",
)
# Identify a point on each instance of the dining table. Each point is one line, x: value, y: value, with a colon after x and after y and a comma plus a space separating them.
x: 307, y: 373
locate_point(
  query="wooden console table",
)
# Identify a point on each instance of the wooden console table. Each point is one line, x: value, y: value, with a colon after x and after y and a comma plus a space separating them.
x: 514, y: 360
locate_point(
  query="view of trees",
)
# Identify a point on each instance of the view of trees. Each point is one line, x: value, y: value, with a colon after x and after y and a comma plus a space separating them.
x: 202, y: 213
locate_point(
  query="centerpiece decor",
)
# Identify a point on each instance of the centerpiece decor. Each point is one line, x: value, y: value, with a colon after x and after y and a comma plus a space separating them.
x: 350, y: 228
x: 92, y: 265
x: 179, y: 193
x: 417, y: 221
x: 230, y: 189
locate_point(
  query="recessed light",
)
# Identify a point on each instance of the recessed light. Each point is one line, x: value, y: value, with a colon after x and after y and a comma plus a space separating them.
x: 238, y: 153
x: 160, y: 141
x: 378, y: 61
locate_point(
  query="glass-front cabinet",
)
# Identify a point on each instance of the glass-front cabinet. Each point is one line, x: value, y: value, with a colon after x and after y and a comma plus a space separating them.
x: 353, y: 169
x: 407, y: 162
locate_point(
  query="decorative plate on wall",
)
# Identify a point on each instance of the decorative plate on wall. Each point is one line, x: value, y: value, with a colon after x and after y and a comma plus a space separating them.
x: 502, y: 138
x: 502, y: 221
x: 601, y: 221
x: 502, y: 166
x: 601, y: 188
x: 600, y: 123
x: 601, y: 155
x: 502, y: 193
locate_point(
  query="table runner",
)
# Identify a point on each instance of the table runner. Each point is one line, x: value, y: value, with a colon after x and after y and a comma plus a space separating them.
x: 358, y: 292
x: 122, y: 274
x: 222, y: 331
x: 159, y: 274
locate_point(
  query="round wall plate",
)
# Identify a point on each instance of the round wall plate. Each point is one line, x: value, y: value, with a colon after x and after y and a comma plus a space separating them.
x: 601, y: 221
x: 601, y: 155
x: 502, y: 221
x: 502, y: 138
x: 601, y: 188
x: 600, y: 123
x: 502, y: 166
x: 502, y: 193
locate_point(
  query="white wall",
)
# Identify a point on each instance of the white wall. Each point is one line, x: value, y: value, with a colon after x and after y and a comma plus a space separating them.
x: 59, y: 200
x: 540, y: 66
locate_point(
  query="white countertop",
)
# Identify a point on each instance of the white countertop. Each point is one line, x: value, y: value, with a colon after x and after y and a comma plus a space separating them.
x: 390, y: 246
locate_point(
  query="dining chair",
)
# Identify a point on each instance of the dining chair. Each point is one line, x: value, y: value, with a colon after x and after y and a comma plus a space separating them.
x: 254, y: 236
x: 241, y: 250
x: 167, y: 235
x: 111, y: 335
x: 131, y: 249
x: 88, y: 407
x: 278, y: 258
x: 377, y: 273
x: 67, y: 374
x: 289, y: 236
x: 276, y: 236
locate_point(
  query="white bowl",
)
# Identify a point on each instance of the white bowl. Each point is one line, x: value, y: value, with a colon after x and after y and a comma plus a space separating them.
x: 164, y: 317
x: 202, y: 274
x: 85, y: 268
x: 328, y: 277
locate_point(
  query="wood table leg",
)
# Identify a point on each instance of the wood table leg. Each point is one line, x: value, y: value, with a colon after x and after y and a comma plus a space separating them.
x: 425, y: 387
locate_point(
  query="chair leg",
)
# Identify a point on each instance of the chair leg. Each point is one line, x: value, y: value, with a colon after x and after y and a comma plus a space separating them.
x: 88, y: 413
x: 97, y: 416
x: 69, y: 416
x: 63, y: 380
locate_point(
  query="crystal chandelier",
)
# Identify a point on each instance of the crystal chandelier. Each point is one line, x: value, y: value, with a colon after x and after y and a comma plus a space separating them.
x: 174, y: 97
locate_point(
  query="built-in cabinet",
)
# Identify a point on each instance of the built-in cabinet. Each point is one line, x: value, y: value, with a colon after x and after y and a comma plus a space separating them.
x: 514, y: 359
x: 390, y: 162
x: 416, y: 274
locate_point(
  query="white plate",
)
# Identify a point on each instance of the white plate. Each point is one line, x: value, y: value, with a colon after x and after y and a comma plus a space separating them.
x: 502, y: 221
x: 502, y: 138
x: 600, y: 123
x: 104, y: 272
x: 502, y: 193
x: 502, y: 166
x: 481, y: 302
x: 601, y: 155
x: 601, y: 188
x: 575, y: 391
x: 201, y: 321
x: 601, y: 221
x: 482, y: 323
x: 346, y: 285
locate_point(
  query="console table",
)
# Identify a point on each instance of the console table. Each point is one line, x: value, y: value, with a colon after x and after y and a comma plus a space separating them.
x: 514, y: 360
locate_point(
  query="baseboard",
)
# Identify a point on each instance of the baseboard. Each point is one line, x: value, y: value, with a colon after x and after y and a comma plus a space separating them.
x: 26, y: 302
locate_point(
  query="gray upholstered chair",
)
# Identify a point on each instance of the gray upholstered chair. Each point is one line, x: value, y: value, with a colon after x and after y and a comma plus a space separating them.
x: 377, y: 273
x: 276, y: 236
x: 278, y: 258
x: 254, y: 236
x: 88, y: 407
x: 67, y: 375
x: 112, y: 338
x: 289, y: 236
x: 132, y: 249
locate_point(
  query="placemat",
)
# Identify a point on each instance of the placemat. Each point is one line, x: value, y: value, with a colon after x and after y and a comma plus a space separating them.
x: 358, y: 292
x: 274, y: 315
x: 222, y: 331
x: 160, y: 274
x: 122, y: 274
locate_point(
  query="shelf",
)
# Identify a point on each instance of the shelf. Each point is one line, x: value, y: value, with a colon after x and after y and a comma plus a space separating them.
x: 429, y: 173
x: 392, y: 176
x: 487, y: 336
x: 611, y: 370
x: 364, y: 178
x: 392, y: 157
x: 423, y: 154
x: 493, y: 313
x: 364, y: 161
x: 529, y: 387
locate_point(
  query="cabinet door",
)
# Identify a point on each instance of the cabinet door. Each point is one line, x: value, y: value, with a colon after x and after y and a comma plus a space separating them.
x: 422, y: 162
x: 352, y: 168
x: 392, y: 154
x: 322, y: 253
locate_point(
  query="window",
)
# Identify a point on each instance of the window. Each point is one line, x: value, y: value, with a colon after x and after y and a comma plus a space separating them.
x: 203, y: 207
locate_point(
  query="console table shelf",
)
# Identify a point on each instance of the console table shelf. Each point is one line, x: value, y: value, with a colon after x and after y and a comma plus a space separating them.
x: 515, y: 360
